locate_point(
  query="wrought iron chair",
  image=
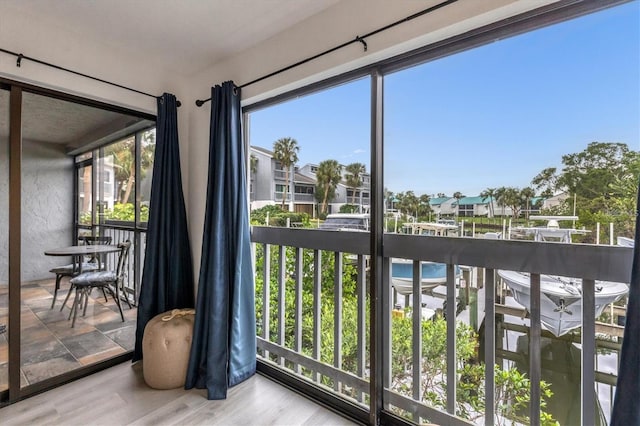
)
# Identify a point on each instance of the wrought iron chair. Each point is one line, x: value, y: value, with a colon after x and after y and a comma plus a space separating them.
x: 108, y: 281
x: 92, y: 264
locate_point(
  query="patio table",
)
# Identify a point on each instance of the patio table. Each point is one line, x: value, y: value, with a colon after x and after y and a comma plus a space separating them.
x: 78, y: 252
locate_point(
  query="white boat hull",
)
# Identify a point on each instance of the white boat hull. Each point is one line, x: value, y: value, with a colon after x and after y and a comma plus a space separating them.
x: 561, y: 298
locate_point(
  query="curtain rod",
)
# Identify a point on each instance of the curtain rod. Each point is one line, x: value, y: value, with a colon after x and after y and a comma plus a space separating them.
x: 358, y: 39
x: 20, y: 57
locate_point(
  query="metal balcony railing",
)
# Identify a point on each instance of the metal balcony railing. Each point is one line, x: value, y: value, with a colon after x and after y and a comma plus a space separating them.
x: 120, y: 232
x: 302, y: 332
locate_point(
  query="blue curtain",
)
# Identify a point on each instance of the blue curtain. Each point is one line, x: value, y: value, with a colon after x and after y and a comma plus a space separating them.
x: 626, y: 409
x: 223, y: 350
x: 167, y: 277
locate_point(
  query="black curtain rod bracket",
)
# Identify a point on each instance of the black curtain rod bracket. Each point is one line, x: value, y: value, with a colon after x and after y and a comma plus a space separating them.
x: 358, y: 39
x: 21, y: 56
x: 364, y: 43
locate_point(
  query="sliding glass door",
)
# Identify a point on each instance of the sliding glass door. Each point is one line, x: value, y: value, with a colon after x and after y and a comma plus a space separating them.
x: 52, y: 194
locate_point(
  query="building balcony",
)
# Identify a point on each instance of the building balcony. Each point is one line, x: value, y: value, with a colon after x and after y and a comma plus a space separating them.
x: 313, y: 322
x: 298, y: 198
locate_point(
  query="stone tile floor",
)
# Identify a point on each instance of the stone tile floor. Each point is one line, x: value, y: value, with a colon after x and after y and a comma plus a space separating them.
x: 50, y: 346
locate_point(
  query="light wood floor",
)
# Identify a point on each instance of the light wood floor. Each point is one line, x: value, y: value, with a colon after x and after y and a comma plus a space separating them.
x: 119, y: 396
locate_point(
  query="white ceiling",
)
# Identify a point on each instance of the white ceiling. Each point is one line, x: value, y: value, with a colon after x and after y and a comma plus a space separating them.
x: 188, y: 34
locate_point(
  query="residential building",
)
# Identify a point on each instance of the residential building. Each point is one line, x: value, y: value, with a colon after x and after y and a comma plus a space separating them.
x: 555, y: 200
x: 473, y: 206
x: 267, y: 186
x: 444, y: 206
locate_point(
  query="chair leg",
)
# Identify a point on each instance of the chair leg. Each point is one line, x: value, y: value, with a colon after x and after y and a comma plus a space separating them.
x: 116, y: 297
x: 74, y: 307
x: 67, y: 298
x: 124, y: 293
x: 55, y: 291
x: 86, y: 300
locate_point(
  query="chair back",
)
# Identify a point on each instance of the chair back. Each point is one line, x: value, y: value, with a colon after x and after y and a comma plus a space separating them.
x: 91, y: 240
x: 124, y: 247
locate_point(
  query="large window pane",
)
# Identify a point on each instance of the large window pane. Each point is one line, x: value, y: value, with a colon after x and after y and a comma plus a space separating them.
x: 53, y: 130
x: 476, y: 145
x: 309, y: 168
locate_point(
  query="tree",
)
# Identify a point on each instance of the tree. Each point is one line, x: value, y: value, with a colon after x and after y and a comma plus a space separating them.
x: 510, y: 197
x: 590, y: 172
x: 424, y: 208
x: 527, y: 194
x: 285, y: 150
x: 500, y: 198
x: 123, y: 156
x: 441, y: 195
x: 328, y: 175
x: 603, y: 178
x: 458, y: 195
x: 546, y: 180
x: 388, y: 198
x: 489, y: 193
x: 408, y: 202
x: 354, y: 178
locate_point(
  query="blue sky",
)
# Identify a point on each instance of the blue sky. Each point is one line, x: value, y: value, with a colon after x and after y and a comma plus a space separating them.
x: 488, y: 117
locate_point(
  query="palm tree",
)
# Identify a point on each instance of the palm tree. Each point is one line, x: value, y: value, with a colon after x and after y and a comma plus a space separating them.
x: 388, y: 198
x: 511, y: 197
x: 527, y: 194
x: 489, y: 193
x: 124, y: 164
x: 285, y: 150
x: 424, y: 207
x: 499, y: 194
x: 458, y: 195
x: 354, y: 178
x: 328, y: 175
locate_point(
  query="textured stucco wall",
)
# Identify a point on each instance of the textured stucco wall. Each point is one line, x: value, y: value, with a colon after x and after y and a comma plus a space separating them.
x: 47, y: 208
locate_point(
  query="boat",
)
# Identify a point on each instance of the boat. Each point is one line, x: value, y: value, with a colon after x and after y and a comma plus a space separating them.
x: 551, y: 232
x: 346, y: 222
x: 626, y: 242
x: 560, y: 297
x: 433, y: 274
